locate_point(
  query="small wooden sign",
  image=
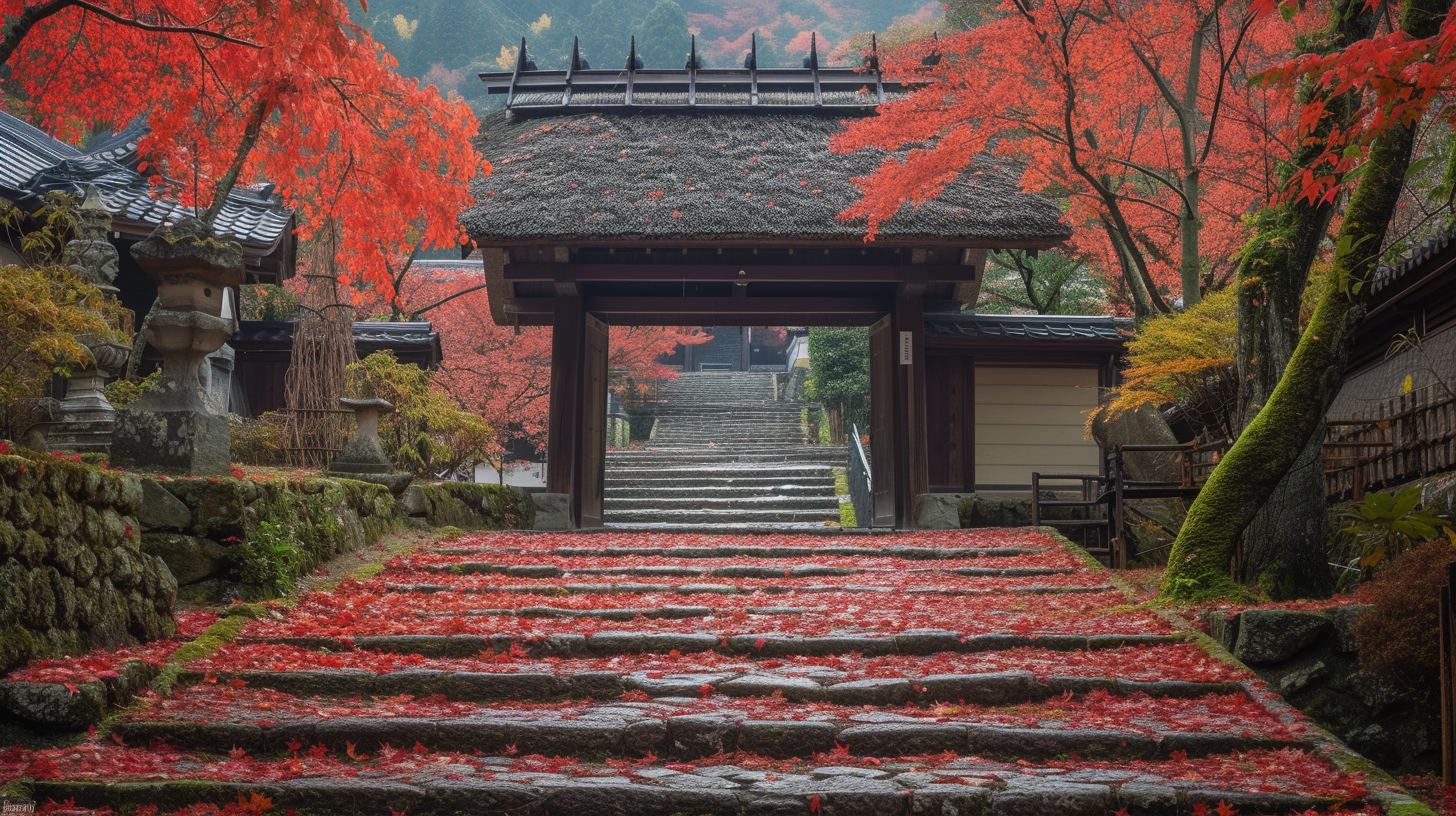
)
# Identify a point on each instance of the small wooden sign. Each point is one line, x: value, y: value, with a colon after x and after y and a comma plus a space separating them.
x: 907, y: 340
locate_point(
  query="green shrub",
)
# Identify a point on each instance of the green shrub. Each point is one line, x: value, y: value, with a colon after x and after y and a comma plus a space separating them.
x: 123, y: 392
x: 260, y: 441
x: 268, y: 559
x: 428, y: 433
x: 1398, y: 638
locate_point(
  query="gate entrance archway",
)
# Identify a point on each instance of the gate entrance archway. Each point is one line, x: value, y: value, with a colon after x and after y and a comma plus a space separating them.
x: 710, y: 197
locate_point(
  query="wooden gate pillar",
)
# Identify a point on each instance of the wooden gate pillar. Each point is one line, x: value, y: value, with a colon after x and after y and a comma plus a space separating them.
x: 911, y: 444
x: 576, y: 441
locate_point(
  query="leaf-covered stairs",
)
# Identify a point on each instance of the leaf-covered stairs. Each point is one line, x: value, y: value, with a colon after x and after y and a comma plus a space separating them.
x: 961, y: 672
x: 725, y: 453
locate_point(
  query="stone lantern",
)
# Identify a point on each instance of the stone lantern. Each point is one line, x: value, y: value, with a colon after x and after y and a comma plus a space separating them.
x: 363, y: 457
x: 87, y: 417
x: 172, y: 427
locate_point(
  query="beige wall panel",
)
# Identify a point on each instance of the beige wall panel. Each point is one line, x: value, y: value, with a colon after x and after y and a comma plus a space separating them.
x: 1032, y: 419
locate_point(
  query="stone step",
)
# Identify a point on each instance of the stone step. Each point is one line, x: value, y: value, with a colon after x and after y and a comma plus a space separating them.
x: 985, y: 689
x: 732, y: 571
x: 670, y: 490
x: 743, y: 504
x: 627, y: 588
x: 595, y: 730
x: 500, y: 786
x: 685, y: 478
x: 909, y: 552
x: 768, y: 644
x: 711, y: 517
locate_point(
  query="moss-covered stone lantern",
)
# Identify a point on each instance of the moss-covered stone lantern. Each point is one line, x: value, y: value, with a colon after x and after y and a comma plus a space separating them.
x: 172, y: 427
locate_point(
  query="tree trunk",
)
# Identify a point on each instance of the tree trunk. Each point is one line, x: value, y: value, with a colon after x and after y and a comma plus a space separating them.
x: 1285, y: 545
x: 1198, y: 567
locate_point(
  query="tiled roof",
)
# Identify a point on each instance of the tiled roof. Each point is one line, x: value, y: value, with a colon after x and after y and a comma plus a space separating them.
x: 1387, y: 276
x: 722, y: 176
x: 416, y: 340
x: 32, y: 163
x: 1035, y: 327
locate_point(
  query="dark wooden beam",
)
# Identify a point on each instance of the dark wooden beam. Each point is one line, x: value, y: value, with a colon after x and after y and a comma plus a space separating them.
x: 786, y: 273
x: 808, y: 307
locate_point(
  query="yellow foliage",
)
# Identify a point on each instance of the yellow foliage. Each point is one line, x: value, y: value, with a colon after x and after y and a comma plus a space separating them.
x: 507, y: 58
x: 404, y: 27
x: 1185, y: 357
x: 42, y: 310
x: 543, y: 23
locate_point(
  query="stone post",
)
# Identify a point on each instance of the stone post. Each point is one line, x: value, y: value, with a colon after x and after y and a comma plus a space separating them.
x: 173, y: 427
x: 363, y: 456
x: 87, y: 418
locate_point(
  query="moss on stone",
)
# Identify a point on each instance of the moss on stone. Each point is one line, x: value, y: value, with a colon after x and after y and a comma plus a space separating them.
x: 215, y: 637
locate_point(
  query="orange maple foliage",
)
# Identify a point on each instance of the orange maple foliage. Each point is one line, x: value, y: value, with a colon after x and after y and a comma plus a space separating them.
x: 1398, y: 79
x: 310, y: 102
x: 1134, y: 114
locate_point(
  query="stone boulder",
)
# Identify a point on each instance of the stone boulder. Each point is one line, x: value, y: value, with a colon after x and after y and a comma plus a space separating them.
x: 191, y: 559
x: 1276, y: 635
x: 161, y: 510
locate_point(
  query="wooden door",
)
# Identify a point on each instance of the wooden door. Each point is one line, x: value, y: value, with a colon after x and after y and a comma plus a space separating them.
x: 883, y: 360
x: 594, y: 423
x: 950, y: 415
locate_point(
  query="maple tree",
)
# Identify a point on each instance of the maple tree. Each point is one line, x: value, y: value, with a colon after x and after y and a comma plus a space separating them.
x: 1286, y: 425
x: 284, y: 90
x: 1134, y: 113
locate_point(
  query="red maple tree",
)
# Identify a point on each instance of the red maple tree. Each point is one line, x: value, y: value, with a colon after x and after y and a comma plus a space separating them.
x: 289, y: 91
x: 1135, y: 114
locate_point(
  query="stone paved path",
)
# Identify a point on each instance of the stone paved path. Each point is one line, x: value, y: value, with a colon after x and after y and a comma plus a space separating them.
x: 962, y: 672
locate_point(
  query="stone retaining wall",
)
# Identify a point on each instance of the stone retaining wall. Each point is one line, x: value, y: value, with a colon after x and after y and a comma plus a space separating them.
x: 72, y: 574
x: 243, y: 538
x: 1310, y: 659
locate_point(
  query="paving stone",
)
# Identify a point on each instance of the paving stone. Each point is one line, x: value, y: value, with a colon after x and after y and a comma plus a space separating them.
x: 950, y: 800
x: 480, y: 795
x: 797, y: 689
x: 372, y: 732
x: 989, y: 689
x: 874, y: 691
x: 786, y: 739
x: 1034, y: 796
x: 1142, y: 798
x: 1045, y: 743
x: 903, y: 739
x: 375, y: 796
x: 834, y: 770
x: 700, y: 735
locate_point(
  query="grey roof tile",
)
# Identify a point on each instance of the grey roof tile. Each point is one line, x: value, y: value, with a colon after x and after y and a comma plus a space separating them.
x: 1036, y: 327
x: 32, y: 162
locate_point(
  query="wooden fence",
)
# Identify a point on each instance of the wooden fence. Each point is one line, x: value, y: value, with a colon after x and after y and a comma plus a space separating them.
x: 1402, y: 439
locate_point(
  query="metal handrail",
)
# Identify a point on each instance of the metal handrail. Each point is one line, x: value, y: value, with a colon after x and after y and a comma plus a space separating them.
x: 858, y: 475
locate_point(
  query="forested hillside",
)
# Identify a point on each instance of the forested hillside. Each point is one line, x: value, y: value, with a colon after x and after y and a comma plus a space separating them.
x: 447, y: 42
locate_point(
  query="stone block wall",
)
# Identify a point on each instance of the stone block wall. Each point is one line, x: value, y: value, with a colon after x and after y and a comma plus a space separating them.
x: 73, y: 576
x: 225, y: 538
x: 469, y: 506
x: 1310, y: 658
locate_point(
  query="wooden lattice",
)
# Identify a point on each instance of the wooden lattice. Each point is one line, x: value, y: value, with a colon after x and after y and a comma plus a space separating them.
x: 323, y: 348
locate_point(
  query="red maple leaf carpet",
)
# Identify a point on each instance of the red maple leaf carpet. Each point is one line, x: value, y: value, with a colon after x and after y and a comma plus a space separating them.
x: 960, y: 672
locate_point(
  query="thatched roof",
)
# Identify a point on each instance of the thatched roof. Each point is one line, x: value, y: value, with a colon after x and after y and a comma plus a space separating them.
x: 665, y: 177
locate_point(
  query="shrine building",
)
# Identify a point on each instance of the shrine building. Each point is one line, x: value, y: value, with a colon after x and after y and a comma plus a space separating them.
x: 687, y: 196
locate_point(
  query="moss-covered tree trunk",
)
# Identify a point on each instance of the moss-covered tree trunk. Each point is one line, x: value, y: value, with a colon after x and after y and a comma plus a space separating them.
x: 1198, y: 566
x: 1284, y: 546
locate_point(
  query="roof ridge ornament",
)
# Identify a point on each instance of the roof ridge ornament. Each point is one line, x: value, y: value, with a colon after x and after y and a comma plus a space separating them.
x: 814, y: 88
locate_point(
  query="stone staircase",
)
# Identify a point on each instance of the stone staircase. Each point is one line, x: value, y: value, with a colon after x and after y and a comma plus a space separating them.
x: 725, y: 453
